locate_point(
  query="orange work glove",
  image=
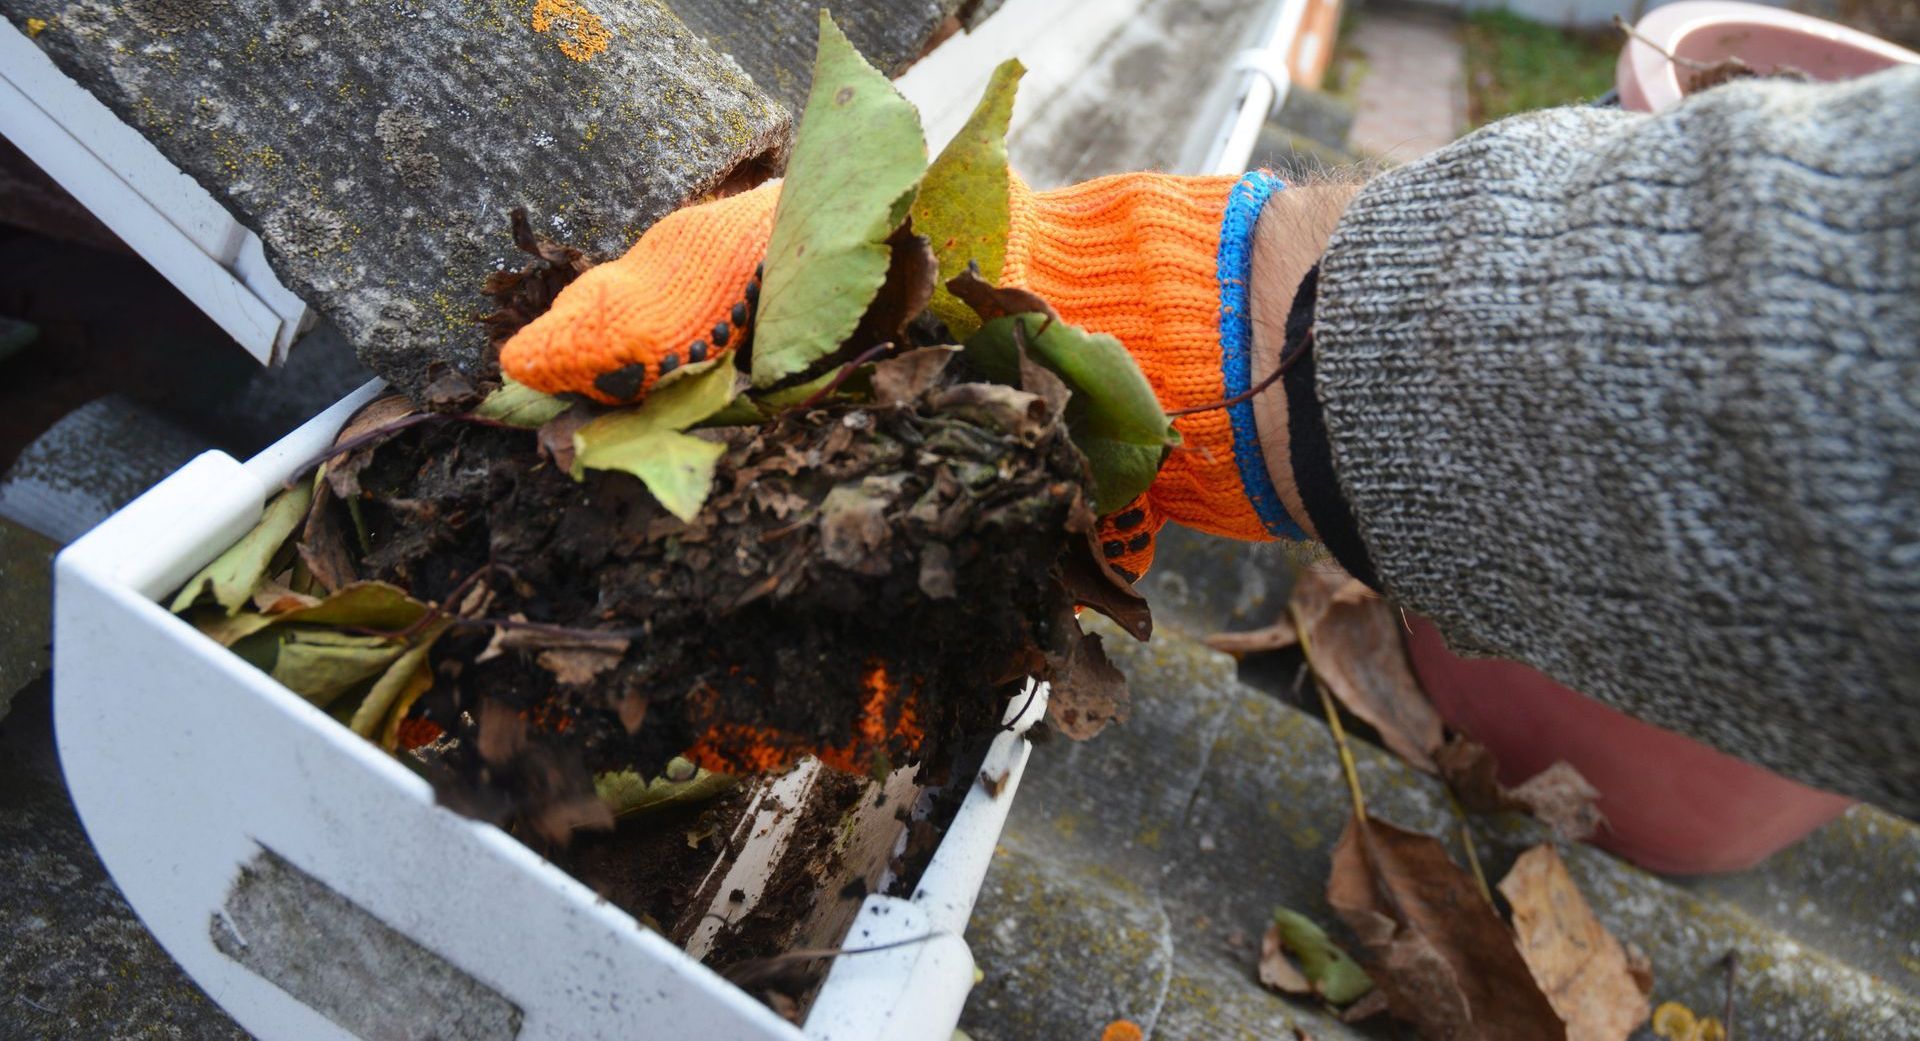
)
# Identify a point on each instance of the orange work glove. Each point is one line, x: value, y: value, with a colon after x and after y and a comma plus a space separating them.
x: 1159, y: 262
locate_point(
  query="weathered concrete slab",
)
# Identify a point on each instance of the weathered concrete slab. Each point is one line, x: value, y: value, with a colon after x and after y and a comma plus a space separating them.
x: 74, y: 960
x: 377, y: 148
x: 97, y: 459
x: 26, y: 599
x: 1216, y: 803
x: 1064, y: 952
x: 1851, y: 889
x: 773, y: 40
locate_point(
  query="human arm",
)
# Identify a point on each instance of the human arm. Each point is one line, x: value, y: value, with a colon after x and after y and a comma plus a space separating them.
x: 1636, y: 400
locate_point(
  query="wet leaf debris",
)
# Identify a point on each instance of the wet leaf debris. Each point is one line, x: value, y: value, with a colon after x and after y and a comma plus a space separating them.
x: 843, y: 533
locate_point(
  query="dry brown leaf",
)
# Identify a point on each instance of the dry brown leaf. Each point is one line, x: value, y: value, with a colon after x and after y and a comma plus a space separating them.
x: 1276, y: 971
x: 633, y: 711
x: 1036, y: 378
x: 574, y: 666
x: 555, y: 436
x: 1585, y: 972
x: 343, y: 471
x: 502, y: 732
x: 1091, y: 581
x: 1277, y: 636
x: 273, y: 598
x: 990, y: 301
x: 1558, y: 795
x: 1354, y: 643
x: 911, y: 274
x: 323, y: 543
x: 1445, y: 960
x: 1374, y: 1004
x: 901, y: 380
x: 1087, y: 691
x: 1639, y: 966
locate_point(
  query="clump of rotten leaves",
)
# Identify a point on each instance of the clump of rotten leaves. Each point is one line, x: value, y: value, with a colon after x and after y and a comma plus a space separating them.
x: 1437, y: 952
x: 847, y: 537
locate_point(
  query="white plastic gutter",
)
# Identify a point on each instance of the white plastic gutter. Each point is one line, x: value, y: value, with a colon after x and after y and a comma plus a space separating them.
x: 1269, y: 76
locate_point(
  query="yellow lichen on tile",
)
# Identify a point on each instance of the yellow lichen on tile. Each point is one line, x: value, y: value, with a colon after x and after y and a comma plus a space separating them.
x: 583, y: 33
x: 36, y: 26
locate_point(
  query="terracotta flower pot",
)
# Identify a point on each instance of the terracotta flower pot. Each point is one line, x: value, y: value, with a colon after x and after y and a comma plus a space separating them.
x: 1672, y: 804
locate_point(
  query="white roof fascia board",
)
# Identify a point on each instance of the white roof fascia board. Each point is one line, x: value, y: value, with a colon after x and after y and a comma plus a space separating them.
x: 165, y: 216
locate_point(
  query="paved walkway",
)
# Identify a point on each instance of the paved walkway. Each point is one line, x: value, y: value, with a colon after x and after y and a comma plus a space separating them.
x: 1413, y: 98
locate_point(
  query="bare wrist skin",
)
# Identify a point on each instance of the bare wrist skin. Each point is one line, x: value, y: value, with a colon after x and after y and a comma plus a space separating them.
x: 1288, y: 239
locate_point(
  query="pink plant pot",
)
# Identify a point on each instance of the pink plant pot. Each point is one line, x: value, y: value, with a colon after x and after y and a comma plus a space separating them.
x: 1766, y: 38
x: 1672, y: 804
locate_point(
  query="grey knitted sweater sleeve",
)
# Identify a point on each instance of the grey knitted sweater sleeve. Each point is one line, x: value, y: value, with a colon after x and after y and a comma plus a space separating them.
x: 1636, y: 400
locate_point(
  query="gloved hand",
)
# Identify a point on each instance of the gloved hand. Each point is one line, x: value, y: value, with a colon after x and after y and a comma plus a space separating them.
x: 1160, y: 262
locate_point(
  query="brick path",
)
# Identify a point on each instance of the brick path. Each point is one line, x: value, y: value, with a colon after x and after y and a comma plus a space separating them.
x: 1413, y: 98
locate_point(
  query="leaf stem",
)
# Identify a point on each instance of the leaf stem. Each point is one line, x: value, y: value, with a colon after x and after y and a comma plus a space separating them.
x: 1726, y: 1012
x: 1466, y: 839
x: 841, y: 377
x: 562, y: 632
x: 1685, y: 63
x: 1333, y: 721
x: 1245, y: 395
x: 384, y: 430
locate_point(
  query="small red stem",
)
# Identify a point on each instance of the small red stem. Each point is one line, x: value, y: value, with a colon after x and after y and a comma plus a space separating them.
x: 845, y: 371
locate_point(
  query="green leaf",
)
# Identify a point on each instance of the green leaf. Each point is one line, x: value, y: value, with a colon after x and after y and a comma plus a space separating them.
x: 1114, y: 416
x: 1120, y: 471
x: 646, y: 441
x: 517, y: 404
x: 321, y: 664
x: 859, y: 153
x: 235, y: 574
x: 741, y: 412
x: 398, y: 688
x: 963, y: 204
x: 626, y: 792
x: 1335, y: 976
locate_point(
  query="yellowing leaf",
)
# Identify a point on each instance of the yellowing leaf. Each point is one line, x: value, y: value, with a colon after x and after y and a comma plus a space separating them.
x: 405, y: 680
x: 646, y: 441
x: 962, y: 208
x: 517, y: 404
x: 235, y: 574
x: 320, y: 665
x: 626, y: 792
x: 365, y: 605
x: 859, y: 153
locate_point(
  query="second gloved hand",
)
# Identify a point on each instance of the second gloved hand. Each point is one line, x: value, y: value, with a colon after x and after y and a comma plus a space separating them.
x: 1158, y: 261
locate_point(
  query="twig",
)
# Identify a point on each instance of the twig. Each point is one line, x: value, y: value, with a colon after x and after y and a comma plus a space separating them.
x: 1333, y: 721
x: 1032, y: 692
x: 750, y: 970
x: 433, y: 613
x: 1273, y: 377
x: 385, y: 430
x: 845, y: 371
x: 560, y: 632
x: 1473, y: 856
x: 1685, y: 63
x: 1726, y: 1011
